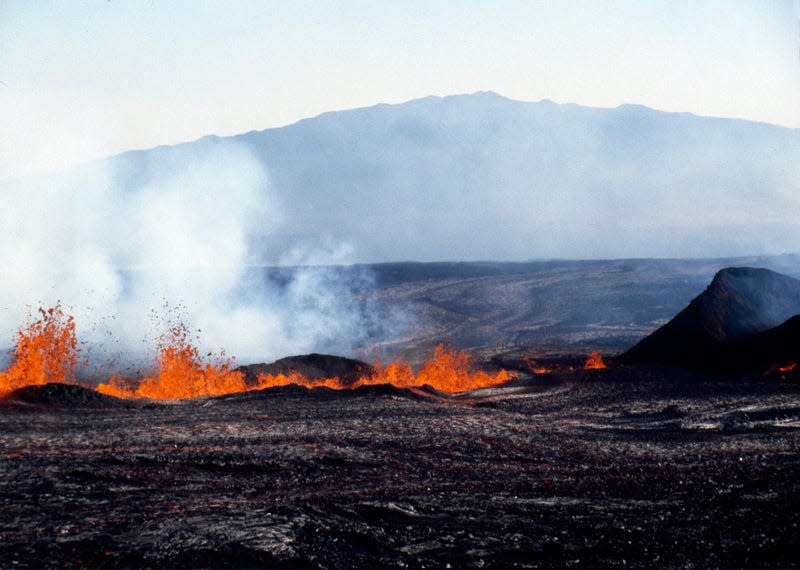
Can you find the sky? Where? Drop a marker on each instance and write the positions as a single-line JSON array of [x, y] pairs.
[[92, 78]]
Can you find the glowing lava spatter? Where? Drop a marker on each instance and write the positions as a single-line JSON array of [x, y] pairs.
[[783, 371], [46, 350], [535, 368], [180, 373], [448, 371], [453, 372], [594, 362]]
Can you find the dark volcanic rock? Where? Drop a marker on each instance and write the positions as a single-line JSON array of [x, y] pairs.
[[325, 393], [758, 353], [312, 366], [588, 474], [57, 394], [739, 302]]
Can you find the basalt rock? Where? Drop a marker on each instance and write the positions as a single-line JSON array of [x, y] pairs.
[[776, 350], [62, 395]]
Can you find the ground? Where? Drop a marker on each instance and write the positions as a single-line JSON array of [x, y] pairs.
[[629, 466]]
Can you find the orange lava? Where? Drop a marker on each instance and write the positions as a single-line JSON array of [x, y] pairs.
[[594, 362], [276, 380], [782, 371], [180, 374], [45, 351], [447, 371], [533, 368]]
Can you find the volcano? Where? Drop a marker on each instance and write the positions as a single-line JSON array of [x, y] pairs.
[[730, 324]]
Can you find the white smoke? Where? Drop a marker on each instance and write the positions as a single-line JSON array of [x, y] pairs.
[[177, 243]]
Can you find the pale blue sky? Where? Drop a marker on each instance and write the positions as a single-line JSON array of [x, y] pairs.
[[82, 79]]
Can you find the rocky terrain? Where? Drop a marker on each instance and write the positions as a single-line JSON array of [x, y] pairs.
[[548, 307], [624, 467], [639, 464]]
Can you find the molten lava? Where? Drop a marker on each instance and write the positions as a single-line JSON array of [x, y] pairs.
[[594, 362], [448, 371], [46, 350], [445, 371], [534, 368], [783, 371], [275, 380], [180, 373]]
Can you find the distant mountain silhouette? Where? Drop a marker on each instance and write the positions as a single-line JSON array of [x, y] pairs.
[[730, 326], [480, 176]]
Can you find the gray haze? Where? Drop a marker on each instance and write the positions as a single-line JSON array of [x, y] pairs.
[[484, 177]]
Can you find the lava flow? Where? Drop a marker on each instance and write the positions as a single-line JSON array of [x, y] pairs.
[[534, 368], [46, 350], [783, 371], [180, 374], [594, 362], [447, 371]]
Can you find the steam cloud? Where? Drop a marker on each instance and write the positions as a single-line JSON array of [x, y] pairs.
[[176, 244]]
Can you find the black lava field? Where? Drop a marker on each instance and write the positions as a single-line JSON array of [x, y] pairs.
[[626, 467]]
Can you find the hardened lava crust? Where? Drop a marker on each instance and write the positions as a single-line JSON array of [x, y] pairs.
[[630, 466]]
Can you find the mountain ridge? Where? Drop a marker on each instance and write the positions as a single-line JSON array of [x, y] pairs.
[[482, 176], [438, 98]]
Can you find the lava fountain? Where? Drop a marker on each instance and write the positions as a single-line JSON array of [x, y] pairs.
[[594, 362], [447, 371], [180, 373], [45, 350]]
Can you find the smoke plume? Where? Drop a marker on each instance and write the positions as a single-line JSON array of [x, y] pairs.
[[177, 243]]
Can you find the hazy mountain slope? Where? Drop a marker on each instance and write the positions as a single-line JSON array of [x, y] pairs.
[[484, 177]]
